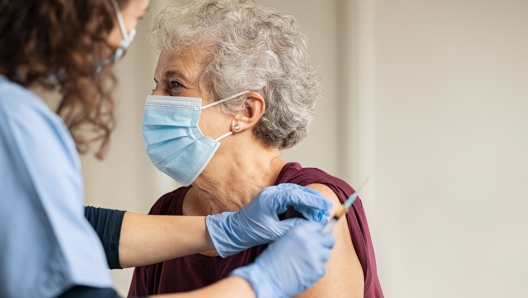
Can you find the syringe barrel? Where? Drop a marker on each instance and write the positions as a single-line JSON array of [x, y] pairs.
[[329, 226]]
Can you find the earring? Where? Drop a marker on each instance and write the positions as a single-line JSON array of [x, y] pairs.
[[236, 127]]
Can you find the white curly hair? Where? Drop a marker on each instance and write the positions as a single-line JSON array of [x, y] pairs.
[[247, 47]]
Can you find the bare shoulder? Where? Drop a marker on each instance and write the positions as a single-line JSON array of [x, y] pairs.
[[328, 194], [344, 275]]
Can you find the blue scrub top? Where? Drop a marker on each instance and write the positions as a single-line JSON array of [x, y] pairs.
[[46, 244]]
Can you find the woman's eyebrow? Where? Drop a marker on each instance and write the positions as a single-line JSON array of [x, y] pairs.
[[174, 73]]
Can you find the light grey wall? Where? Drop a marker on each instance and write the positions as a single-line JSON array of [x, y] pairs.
[[317, 19], [450, 107], [429, 99]]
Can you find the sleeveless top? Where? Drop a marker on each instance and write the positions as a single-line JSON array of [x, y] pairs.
[[197, 271]]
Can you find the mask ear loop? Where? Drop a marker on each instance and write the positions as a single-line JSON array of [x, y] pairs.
[[127, 36], [223, 136], [219, 102], [224, 100], [120, 20]]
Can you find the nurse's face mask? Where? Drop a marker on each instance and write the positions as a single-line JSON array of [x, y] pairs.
[[173, 141], [127, 36]]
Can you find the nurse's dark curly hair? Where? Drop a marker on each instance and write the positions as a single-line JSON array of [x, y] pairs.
[[64, 39]]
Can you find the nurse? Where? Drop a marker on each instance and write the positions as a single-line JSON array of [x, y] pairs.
[[48, 248]]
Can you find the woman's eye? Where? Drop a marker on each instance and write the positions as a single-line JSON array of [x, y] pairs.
[[174, 84]]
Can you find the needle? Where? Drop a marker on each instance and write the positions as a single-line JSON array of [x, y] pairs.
[[343, 209]]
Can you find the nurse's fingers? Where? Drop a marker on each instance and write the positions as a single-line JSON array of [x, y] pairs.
[[307, 201]]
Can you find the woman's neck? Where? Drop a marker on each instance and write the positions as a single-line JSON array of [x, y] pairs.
[[232, 179]]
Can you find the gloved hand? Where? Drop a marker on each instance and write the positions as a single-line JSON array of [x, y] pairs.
[[291, 264], [258, 222]]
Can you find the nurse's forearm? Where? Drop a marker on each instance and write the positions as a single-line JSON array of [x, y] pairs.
[[232, 287], [149, 239]]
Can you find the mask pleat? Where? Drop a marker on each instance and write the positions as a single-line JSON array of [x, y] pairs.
[[186, 166]]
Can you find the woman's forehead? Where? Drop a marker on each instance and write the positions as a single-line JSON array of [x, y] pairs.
[[182, 62]]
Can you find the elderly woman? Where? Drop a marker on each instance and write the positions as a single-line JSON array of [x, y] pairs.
[[236, 73]]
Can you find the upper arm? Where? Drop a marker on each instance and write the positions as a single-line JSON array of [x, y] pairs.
[[344, 274]]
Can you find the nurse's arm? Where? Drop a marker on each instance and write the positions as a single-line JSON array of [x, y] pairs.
[[232, 287], [131, 239], [150, 239]]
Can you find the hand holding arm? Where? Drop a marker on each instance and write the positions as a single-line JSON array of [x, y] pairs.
[[149, 239], [258, 222]]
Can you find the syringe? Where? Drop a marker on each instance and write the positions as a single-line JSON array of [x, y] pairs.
[[342, 210]]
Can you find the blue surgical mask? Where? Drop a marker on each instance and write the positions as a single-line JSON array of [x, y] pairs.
[[127, 37], [123, 45], [173, 141]]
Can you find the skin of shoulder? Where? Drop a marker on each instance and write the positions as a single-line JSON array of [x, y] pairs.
[[344, 275]]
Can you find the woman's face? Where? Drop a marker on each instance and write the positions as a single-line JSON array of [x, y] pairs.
[[177, 75], [132, 13]]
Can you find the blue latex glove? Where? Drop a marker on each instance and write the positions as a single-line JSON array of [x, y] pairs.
[[291, 264], [258, 222]]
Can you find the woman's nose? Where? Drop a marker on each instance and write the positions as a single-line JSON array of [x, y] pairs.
[[159, 92]]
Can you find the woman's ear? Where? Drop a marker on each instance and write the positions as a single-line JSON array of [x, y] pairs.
[[255, 106]]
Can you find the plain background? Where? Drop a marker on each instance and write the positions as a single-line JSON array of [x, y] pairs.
[[427, 98]]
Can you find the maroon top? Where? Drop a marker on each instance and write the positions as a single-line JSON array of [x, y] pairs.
[[197, 271]]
